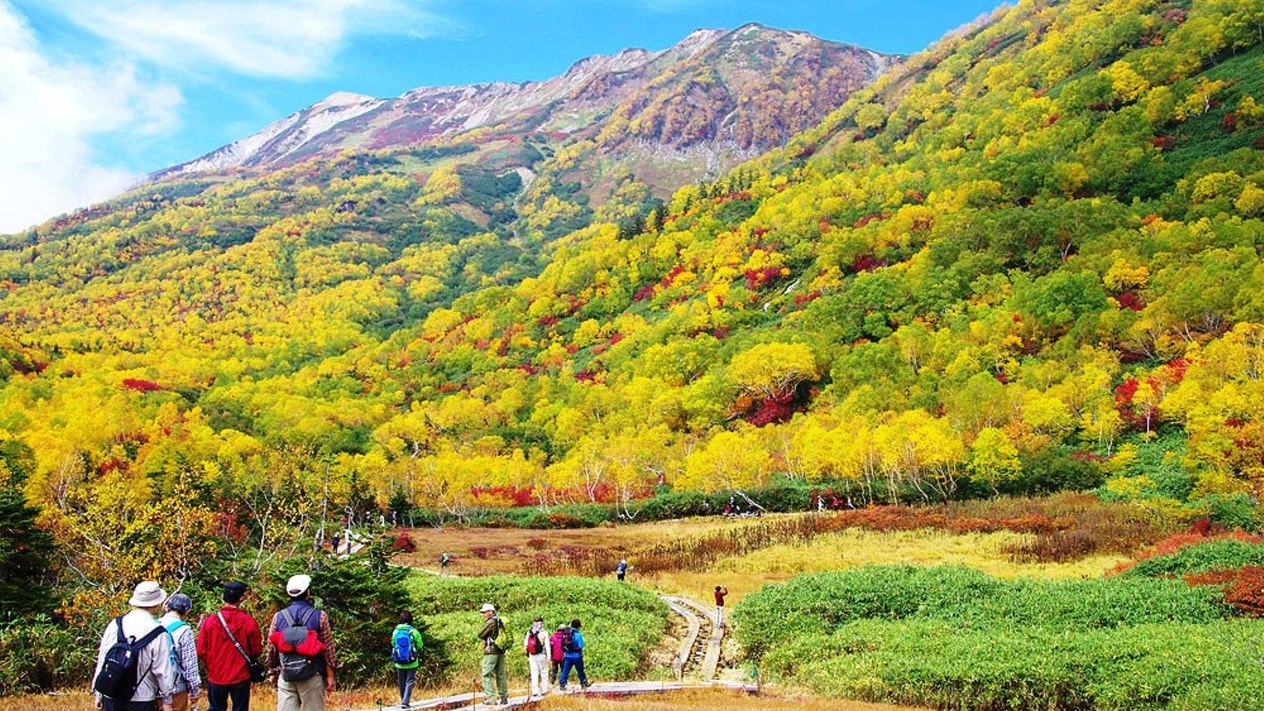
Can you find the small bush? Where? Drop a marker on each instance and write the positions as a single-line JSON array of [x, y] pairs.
[[1195, 554], [39, 656]]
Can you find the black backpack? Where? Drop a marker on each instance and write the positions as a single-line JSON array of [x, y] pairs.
[[118, 679], [568, 640]]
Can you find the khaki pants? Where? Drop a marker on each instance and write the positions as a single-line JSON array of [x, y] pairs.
[[308, 693], [493, 670]]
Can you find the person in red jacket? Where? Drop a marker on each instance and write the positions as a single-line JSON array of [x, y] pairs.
[[227, 676]]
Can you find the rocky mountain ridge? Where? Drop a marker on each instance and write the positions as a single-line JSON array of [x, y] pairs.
[[714, 86]]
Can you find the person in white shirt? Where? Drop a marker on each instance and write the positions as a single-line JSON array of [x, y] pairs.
[[188, 680], [155, 670]]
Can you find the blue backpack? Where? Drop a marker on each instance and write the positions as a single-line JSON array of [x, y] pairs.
[[402, 649]]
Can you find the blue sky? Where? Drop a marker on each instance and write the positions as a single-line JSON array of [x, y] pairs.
[[96, 93]]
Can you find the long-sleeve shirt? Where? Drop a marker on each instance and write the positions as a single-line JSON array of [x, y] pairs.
[[224, 664], [187, 676], [155, 671], [579, 646], [491, 628], [325, 633]]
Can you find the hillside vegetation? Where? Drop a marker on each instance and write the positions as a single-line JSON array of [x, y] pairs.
[[1024, 259]]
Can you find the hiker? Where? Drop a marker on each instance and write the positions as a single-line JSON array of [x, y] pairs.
[[444, 559], [495, 640], [301, 650], [556, 654], [335, 540], [228, 673], [537, 649], [406, 654], [188, 680], [720, 592], [151, 665], [573, 656], [621, 569]]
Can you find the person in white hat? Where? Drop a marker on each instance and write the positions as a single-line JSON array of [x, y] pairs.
[[156, 679], [305, 672], [495, 641]]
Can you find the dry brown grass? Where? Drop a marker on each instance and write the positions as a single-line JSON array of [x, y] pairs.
[[491, 551]]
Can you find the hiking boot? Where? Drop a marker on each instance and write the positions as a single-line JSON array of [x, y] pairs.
[[585, 685]]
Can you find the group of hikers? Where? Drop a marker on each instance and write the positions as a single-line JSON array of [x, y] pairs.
[[148, 658], [550, 657]]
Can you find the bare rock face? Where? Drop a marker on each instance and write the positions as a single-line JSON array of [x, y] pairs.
[[721, 95]]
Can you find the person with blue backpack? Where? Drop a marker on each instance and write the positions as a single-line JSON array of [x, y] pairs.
[[573, 656], [188, 680], [406, 655]]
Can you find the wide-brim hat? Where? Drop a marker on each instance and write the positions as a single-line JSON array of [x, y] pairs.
[[148, 594], [487, 607]]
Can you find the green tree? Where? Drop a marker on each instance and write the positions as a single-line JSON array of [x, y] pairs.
[[26, 550]]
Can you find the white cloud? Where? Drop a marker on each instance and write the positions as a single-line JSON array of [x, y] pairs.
[[50, 113], [293, 39]]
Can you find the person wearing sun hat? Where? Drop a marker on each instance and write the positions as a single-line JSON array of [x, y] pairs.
[[157, 673], [313, 659], [188, 680], [494, 642]]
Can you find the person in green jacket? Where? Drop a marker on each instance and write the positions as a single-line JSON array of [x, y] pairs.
[[406, 654]]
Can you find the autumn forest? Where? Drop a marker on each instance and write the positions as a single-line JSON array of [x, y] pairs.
[[1025, 260]]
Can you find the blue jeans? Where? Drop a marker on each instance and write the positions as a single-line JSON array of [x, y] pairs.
[[407, 678], [575, 662]]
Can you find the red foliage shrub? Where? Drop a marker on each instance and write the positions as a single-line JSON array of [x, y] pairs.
[[139, 385], [1130, 300], [403, 543], [809, 297], [1246, 592], [1164, 143], [866, 263]]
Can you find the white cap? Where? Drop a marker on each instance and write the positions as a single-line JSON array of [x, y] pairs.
[[487, 607], [298, 585], [147, 594]]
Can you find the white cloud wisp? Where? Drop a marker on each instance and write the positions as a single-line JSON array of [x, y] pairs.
[[50, 113]]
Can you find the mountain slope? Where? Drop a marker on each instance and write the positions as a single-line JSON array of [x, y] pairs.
[[1022, 260]]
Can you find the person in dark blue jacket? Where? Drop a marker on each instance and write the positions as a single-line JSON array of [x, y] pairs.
[[573, 657]]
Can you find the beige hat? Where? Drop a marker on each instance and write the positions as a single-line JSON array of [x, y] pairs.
[[298, 585], [147, 594], [487, 607]]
